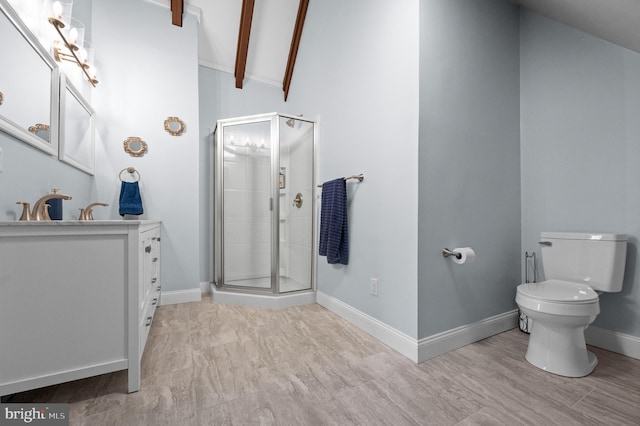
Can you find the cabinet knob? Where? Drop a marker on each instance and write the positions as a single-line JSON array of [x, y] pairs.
[[154, 301], [153, 280], [158, 288], [148, 323]]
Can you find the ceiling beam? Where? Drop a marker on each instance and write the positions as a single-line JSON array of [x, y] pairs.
[[295, 44], [177, 8], [246, 16]]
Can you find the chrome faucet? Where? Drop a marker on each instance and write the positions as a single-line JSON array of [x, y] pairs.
[[40, 208], [87, 212]]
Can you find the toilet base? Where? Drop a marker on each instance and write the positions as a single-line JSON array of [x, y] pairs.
[[560, 350]]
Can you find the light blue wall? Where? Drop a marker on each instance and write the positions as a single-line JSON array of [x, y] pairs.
[[580, 103], [357, 73], [149, 71], [469, 182], [29, 174]]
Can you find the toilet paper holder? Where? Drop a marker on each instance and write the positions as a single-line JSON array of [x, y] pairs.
[[446, 253]]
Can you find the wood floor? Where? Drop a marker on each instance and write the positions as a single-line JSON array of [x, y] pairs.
[[208, 364]]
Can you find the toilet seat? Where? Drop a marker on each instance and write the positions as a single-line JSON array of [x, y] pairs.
[[559, 291], [559, 298]]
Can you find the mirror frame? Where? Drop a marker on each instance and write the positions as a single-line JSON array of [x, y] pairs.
[[69, 93], [10, 127], [128, 146], [181, 126]]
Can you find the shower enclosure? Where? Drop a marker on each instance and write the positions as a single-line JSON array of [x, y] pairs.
[[263, 209]]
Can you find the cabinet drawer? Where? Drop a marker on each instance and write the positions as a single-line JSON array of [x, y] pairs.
[[145, 325]]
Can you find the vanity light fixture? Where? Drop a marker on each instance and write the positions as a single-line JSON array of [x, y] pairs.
[[70, 46]]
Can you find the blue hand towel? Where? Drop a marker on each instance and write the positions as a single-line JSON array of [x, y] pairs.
[[130, 201], [334, 227]]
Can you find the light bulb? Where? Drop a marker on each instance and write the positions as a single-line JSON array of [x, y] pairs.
[[73, 36], [57, 10]]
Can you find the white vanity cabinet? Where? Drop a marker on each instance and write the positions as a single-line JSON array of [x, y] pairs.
[[149, 290], [76, 299]]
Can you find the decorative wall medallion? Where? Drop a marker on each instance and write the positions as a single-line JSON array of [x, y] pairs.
[[135, 147], [174, 126]]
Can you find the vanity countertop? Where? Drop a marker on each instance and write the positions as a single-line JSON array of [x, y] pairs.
[[117, 222]]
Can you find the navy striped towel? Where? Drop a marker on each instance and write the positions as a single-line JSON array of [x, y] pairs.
[[334, 228]]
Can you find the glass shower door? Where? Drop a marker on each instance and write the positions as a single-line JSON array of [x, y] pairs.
[[246, 227], [296, 150], [263, 212]]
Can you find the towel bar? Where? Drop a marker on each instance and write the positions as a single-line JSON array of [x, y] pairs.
[[360, 178]]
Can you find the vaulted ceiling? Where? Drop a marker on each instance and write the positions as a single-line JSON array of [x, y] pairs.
[[252, 39], [273, 25], [617, 21]]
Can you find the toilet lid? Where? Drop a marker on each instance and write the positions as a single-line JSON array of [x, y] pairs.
[[559, 291]]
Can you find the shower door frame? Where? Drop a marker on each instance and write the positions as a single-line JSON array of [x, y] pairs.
[[217, 203]]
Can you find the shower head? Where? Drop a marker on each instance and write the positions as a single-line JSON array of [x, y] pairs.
[[292, 121]]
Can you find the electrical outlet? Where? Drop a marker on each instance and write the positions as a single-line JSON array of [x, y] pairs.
[[374, 286]]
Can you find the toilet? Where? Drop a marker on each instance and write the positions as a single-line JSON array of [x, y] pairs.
[[577, 267]]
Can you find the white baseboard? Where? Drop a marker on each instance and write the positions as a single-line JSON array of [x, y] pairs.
[[425, 348], [458, 337], [204, 287], [62, 376], [262, 301], [180, 296], [406, 345], [613, 341]]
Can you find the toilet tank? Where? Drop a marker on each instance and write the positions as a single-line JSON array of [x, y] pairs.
[[594, 259]]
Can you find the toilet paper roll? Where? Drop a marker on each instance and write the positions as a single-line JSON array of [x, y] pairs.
[[468, 255]]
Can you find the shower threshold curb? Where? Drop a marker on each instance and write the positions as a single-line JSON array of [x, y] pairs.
[[262, 301]]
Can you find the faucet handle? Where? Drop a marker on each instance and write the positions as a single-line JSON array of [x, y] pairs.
[[87, 212], [26, 211]]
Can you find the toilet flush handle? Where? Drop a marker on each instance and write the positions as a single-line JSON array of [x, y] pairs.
[[544, 243]]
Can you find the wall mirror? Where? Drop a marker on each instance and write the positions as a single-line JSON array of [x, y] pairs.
[[29, 85], [43, 131], [77, 128], [174, 126], [135, 147]]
